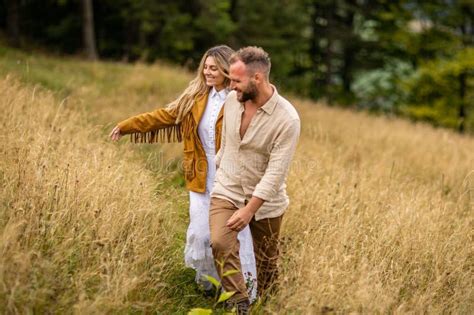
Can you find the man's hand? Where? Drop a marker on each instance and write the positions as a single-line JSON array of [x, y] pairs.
[[240, 219], [115, 135]]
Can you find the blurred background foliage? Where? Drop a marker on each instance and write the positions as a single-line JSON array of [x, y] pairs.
[[410, 58]]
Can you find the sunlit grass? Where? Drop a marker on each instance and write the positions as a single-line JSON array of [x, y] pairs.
[[381, 217]]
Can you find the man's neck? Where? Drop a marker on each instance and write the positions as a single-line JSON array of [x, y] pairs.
[[263, 96]]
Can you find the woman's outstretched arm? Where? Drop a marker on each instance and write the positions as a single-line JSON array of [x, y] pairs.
[[155, 120]]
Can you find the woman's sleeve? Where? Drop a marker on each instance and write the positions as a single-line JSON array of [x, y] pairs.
[[155, 120]]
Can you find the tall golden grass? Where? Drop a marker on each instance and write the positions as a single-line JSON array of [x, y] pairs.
[[380, 220], [81, 228]]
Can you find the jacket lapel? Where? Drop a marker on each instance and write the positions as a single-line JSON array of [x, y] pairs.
[[221, 113], [198, 109]]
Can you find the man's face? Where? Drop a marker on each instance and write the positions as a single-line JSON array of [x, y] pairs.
[[241, 82]]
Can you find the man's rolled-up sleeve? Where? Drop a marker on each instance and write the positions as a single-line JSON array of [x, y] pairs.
[[279, 162]]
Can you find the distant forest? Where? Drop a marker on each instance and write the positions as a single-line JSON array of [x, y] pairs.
[[408, 58]]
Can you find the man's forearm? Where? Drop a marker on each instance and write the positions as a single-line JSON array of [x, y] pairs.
[[254, 204]]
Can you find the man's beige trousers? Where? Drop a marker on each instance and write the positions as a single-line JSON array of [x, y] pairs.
[[225, 248]]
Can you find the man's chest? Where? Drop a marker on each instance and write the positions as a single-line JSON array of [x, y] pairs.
[[250, 134], [246, 118]]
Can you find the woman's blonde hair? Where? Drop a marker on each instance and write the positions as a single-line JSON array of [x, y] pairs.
[[197, 87]]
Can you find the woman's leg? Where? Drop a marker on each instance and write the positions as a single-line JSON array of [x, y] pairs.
[[247, 260], [198, 252]]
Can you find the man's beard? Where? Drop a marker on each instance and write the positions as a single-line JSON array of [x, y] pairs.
[[250, 93]]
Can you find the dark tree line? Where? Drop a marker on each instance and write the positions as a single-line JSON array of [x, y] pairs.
[[394, 56]]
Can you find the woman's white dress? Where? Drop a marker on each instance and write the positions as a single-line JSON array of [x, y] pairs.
[[198, 252]]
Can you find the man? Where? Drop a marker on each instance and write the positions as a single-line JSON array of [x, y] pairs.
[[259, 137]]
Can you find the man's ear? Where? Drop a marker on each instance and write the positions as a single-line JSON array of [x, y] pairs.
[[258, 77]]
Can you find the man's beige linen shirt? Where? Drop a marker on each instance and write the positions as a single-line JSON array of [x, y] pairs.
[[258, 164]]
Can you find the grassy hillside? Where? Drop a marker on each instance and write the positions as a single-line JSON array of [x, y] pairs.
[[380, 218]]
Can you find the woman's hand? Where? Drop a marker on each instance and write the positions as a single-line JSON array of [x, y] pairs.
[[115, 135]]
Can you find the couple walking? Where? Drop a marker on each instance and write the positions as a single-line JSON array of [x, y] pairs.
[[235, 165]]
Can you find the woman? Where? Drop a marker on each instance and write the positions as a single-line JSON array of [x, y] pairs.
[[196, 119]]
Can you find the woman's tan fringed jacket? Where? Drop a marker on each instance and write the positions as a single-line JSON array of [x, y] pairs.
[[160, 126]]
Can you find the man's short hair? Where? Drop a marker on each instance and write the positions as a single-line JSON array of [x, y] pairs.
[[255, 58]]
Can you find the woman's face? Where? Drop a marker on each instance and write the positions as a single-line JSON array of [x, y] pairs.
[[212, 74]]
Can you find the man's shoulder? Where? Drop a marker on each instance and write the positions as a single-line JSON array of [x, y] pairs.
[[231, 98], [287, 110], [231, 104]]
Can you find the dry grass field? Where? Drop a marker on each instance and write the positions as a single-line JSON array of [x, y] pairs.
[[380, 220]]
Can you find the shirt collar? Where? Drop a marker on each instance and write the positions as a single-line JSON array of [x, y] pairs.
[[221, 95], [270, 105]]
